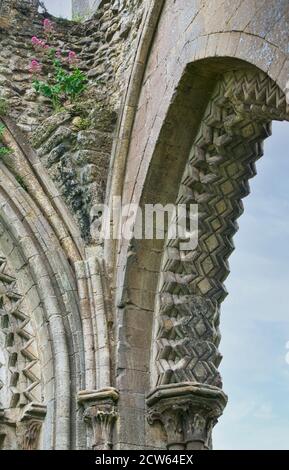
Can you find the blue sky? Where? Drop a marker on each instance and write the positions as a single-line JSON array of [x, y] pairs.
[[59, 7], [255, 315]]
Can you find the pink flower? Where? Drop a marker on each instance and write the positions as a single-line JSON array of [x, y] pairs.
[[35, 67], [34, 40], [72, 57], [38, 42], [47, 26], [58, 54]]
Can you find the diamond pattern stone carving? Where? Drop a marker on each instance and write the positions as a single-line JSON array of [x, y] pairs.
[[230, 140], [24, 368]]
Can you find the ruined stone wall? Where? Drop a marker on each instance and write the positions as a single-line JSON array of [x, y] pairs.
[[74, 144]]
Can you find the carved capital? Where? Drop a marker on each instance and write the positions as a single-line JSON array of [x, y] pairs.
[[29, 426], [188, 413], [100, 413], [20, 428]]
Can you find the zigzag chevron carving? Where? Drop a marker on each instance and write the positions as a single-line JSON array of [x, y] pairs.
[[24, 367], [230, 140]]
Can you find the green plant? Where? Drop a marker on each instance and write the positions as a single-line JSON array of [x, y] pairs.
[[67, 81], [63, 85], [4, 107], [72, 83], [2, 129], [78, 18], [4, 151]]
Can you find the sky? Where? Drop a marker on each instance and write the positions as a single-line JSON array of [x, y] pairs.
[[255, 315], [59, 7]]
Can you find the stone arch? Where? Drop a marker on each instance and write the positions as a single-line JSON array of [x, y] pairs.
[[26, 242], [230, 105], [222, 160], [47, 329], [65, 300]]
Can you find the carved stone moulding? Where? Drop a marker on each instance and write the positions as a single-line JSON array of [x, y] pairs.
[[188, 412], [100, 413]]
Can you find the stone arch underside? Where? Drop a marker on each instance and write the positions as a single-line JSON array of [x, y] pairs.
[[185, 348]]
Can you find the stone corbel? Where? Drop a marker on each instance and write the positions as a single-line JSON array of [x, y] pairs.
[[100, 413], [29, 426], [187, 412]]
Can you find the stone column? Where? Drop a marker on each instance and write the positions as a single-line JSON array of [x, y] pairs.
[[100, 413], [188, 413]]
